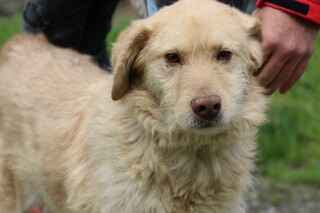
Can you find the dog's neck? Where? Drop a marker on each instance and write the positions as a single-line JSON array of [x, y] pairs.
[[188, 173], [184, 163], [187, 163]]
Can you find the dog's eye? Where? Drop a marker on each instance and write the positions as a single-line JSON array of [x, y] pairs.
[[224, 55], [173, 58]]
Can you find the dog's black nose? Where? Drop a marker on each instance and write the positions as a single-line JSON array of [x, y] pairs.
[[206, 107]]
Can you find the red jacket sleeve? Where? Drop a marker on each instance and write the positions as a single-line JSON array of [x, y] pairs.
[[307, 9]]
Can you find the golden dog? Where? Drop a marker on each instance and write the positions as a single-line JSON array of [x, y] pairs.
[[178, 136]]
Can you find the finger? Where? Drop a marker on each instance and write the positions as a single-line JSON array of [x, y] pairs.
[[284, 74], [270, 69], [295, 75]]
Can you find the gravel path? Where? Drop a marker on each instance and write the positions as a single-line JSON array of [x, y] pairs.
[[284, 198]]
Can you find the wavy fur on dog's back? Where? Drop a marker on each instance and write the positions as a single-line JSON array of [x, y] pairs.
[[65, 144]]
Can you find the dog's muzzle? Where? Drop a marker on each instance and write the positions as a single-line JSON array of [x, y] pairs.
[[206, 110]]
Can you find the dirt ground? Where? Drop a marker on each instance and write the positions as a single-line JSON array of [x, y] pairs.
[[279, 197]]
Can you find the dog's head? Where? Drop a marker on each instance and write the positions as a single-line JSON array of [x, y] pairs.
[[195, 60]]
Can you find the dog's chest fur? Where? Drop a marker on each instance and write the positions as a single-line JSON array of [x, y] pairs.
[[147, 176]]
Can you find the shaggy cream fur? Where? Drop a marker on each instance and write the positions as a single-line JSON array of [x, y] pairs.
[[65, 144]]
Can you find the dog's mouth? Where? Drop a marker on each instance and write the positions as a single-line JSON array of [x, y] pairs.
[[200, 123]]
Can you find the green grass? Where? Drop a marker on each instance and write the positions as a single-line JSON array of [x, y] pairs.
[[9, 26], [289, 144], [120, 21]]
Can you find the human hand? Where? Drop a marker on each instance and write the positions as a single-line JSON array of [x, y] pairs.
[[288, 43]]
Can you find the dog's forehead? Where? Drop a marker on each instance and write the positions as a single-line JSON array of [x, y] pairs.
[[205, 27], [204, 12], [204, 22]]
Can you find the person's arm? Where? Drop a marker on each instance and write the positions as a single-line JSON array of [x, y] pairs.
[[290, 34], [306, 9]]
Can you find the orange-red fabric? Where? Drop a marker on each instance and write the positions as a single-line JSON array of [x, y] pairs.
[[312, 15]]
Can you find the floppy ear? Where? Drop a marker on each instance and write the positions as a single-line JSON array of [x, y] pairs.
[[124, 54]]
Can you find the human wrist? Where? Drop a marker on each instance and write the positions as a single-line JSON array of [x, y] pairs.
[[305, 9]]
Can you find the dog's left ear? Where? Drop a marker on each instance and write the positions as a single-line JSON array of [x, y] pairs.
[[253, 29], [124, 54]]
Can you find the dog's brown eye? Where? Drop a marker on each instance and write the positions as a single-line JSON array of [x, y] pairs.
[[173, 58], [224, 55]]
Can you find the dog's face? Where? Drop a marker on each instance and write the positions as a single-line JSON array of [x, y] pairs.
[[195, 59]]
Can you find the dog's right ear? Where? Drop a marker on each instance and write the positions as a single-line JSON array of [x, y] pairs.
[[254, 30], [124, 54]]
